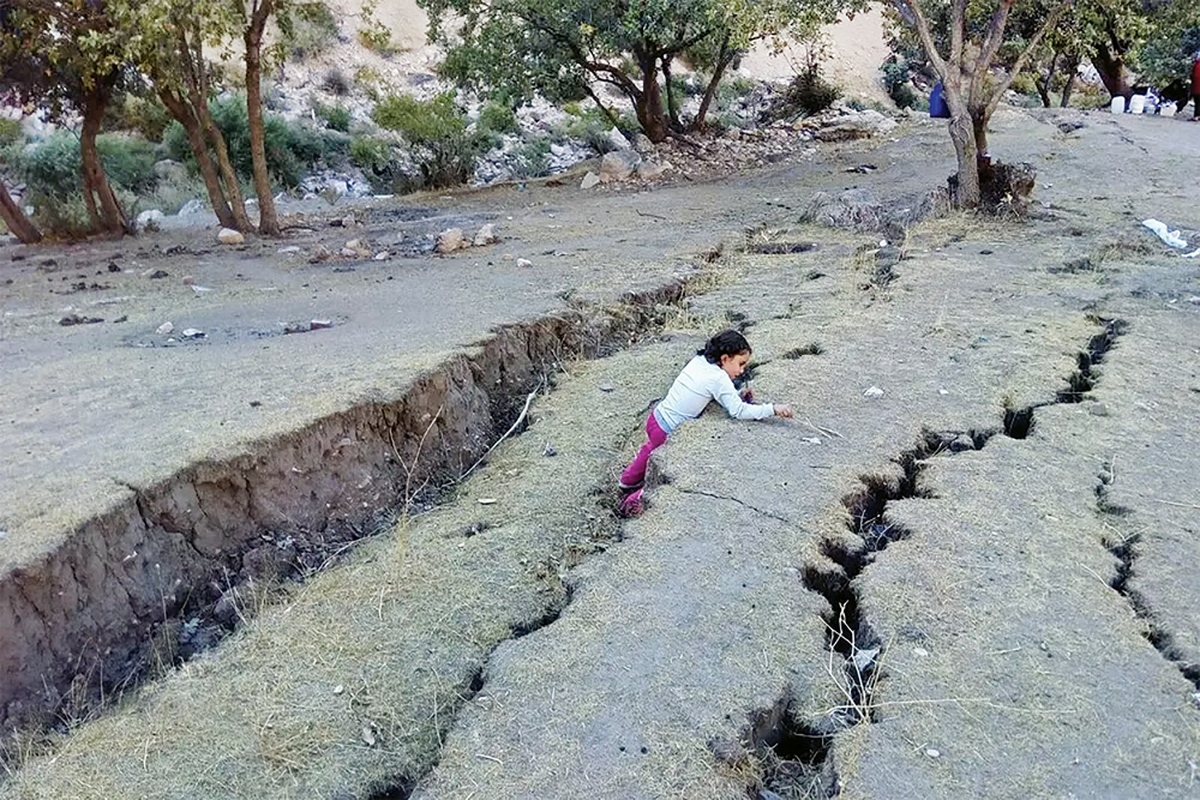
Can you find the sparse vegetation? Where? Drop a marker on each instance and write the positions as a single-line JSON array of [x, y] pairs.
[[436, 132], [336, 83], [373, 34], [335, 117], [309, 30]]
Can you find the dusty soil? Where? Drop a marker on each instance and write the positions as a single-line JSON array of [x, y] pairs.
[[980, 582]]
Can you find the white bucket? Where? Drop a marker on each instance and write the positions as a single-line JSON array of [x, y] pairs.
[[1168, 109], [1137, 104], [1118, 105]]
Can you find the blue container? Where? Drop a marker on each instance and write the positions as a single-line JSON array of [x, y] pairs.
[[937, 103]]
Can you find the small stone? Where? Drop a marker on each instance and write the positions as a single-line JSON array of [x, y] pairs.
[[192, 333], [382, 255], [230, 236], [166, 329], [200, 289], [368, 735], [318, 324], [122, 318], [648, 170], [354, 244], [450, 240], [291, 248], [1098, 410], [485, 236], [158, 274], [618, 165], [920, 651], [339, 689], [642, 143], [150, 219], [348, 252], [1194, 299], [112, 267], [590, 180], [810, 440], [549, 450], [1196, 699], [874, 391], [524, 262], [932, 752], [943, 392], [349, 221], [188, 280], [487, 501], [606, 387], [296, 327]]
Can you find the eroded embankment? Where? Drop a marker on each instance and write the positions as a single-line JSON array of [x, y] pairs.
[[157, 578]]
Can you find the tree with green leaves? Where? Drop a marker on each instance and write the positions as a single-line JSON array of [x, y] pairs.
[[71, 59], [565, 48], [963, 62]]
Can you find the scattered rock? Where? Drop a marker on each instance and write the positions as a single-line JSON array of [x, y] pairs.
[[166, 329], [932, 752], [192, 333], [487, 501], [230, 236], [150, 219], [549, 450], [648, 170], [606, 387], [368, 735], [122, 318], [297, 327], [349, 221], [590, 180], [618, 165], [113, 267], [485, 236], [319, 324], [642, 143], [855, 125], [617, 140], [192, 207], [339, 689], [450, 240], [874, 391], [76, 319], [283, 251], [524, 262], [1098, 410], [382, 255], [188, 280], [158, 274]]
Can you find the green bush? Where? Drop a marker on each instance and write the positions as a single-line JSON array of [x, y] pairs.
[[531, 159], [52, 167], [498, 117], [897, 79], [336, 118], [808, 93], [436, 131], [292, 148], [10, 132], [380, 162], [309, 31], [374, 34]]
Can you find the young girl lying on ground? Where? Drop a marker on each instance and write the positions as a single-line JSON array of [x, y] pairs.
[[708, 376]]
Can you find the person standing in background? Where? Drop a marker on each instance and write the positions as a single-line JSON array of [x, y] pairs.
[[1196, 86]]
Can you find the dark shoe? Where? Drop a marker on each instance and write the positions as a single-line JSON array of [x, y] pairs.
[[632, 505]]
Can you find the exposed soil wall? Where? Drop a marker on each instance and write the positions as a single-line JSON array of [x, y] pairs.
[[93, 615]]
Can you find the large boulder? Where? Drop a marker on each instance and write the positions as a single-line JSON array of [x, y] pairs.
[[618, 165], [855, 125], [450, 240]]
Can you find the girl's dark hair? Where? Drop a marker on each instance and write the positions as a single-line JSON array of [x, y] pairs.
[[725, 343]]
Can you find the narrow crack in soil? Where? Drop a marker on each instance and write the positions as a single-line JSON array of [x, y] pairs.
[[742, 503], [798, 758]]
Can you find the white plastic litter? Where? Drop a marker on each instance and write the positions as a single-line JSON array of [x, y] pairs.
[[1192, 254], [1169, 237]]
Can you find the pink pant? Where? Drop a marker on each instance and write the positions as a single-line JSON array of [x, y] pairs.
[[635, 473]]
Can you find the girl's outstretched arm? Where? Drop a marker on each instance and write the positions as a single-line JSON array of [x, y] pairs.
[[732, 402]]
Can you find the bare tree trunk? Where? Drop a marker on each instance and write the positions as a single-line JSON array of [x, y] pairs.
[[1111, 67], [1071, 67], [15, 220], [965, 185], [1046, 82], [672, 103], [650, 104], [204, 162], [268, 222], [724, 59], [112, 216]]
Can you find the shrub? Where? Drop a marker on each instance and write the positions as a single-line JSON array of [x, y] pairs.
[[372, 33], [808, 93], [336, 118], [335, 82], [498, 117], [531, 159], [897, 79], [10, 132], [436, 132], [52, 168], [292, 148], [309, 31]]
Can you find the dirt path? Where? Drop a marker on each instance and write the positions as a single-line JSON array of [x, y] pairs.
[[705, 650]]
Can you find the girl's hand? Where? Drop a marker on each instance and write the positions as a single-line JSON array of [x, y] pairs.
[[747, 395], [783, 410]]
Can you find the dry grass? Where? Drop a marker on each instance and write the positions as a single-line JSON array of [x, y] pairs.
[[353, 679]]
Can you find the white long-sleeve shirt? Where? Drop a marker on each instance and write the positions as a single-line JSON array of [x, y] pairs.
[[698, 383]]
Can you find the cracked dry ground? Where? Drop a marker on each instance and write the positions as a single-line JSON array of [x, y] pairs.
[[981, 583]]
